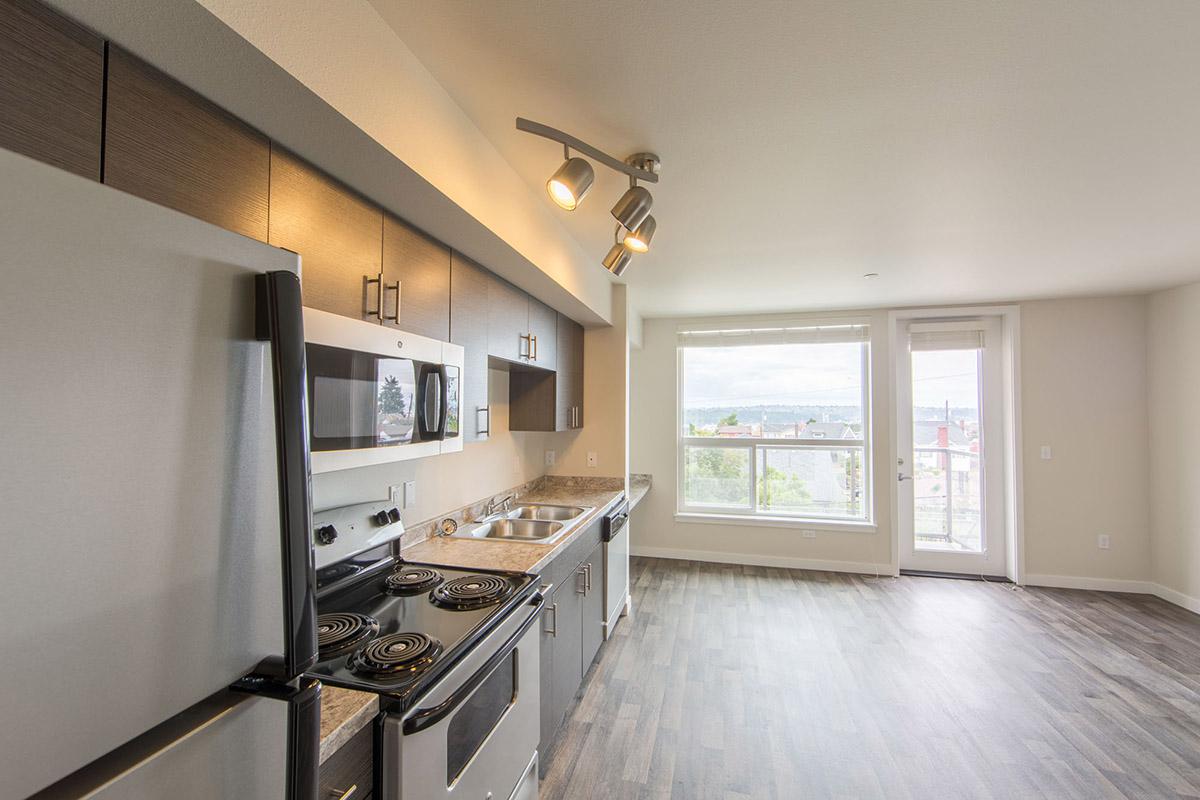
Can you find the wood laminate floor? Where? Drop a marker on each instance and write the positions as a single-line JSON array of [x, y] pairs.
[[752, 682]]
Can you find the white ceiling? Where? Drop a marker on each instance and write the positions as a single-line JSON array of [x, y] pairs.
[[966, 151]]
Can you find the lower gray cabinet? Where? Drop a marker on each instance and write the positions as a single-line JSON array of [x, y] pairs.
[[593, 607], [572, 628]]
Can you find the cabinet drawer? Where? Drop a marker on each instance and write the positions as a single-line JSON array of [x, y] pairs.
[[352, 765]]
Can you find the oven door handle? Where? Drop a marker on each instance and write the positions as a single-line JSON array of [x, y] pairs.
[[424, 718]]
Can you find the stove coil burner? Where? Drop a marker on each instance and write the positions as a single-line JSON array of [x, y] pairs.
[[414, 580], [400, 656], [470, 592], [343, 631]]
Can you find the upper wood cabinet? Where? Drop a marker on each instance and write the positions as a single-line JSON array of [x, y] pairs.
[[469, 288], [543, 334], [508, 321], [338, 235], [51, 87], [168, 144], [569, 375], [416, 274]]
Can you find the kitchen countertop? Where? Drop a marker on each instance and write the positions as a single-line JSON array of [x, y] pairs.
[[600, 493], [345, 712], [639, 485]]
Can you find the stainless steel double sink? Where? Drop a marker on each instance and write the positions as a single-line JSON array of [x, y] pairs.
[[541, 523]]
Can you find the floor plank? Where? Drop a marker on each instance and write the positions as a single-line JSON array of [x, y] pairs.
[[733, 682]]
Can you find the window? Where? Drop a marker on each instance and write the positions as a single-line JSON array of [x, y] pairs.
[[775, 423]]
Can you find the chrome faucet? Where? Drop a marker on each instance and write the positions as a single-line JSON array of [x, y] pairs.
[[503, 504]]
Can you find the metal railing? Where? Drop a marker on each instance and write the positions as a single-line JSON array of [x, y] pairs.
[[950, 516]]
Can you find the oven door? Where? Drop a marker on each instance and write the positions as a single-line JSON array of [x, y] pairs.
[[474, 733]]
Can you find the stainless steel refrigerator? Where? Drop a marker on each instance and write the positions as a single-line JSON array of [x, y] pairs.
[[156, 608]]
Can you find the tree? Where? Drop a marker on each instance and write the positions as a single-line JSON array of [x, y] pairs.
[[391, 397], [728, 421]]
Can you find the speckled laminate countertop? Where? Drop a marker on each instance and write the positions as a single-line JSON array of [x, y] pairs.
[[345, 712], [639, 485]]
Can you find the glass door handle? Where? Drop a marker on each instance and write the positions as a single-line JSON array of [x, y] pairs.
[[900, 476]]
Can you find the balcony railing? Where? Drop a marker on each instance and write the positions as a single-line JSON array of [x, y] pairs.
[[947, 507]]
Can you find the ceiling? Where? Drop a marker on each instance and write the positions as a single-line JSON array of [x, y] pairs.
[[965, 151]]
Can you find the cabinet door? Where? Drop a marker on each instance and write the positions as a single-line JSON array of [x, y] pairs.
[[169, 145], [543, 330], [51, 87], [568, 645], [469, 286], [592, 619], [421, 265], [508, 321], [338, 235], [569, 399]]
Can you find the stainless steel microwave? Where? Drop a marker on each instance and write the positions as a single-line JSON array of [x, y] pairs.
[[376, 394]]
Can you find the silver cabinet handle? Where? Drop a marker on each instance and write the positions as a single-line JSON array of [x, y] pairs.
[[581, 572], [377, 311], [487, 412], [533, 345], [524, 337], [395, 287], [587, 578], [343, 795], [553, 608]]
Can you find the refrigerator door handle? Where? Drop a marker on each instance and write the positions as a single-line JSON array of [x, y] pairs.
[[279, 320], [304, 718]]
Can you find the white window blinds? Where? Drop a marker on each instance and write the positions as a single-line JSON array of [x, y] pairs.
[[815, 334], [945, 336]]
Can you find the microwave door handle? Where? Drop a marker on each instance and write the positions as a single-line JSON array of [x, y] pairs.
[[279, 320], [424, 718], [444, 410]]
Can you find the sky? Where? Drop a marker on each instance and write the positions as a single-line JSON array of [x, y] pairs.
[[815, 374]]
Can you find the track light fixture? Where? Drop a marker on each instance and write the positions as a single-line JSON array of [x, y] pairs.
[[638, 241], [572, 180]]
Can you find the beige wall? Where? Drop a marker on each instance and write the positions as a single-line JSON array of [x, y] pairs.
[[1082, 392], [1174, 379]]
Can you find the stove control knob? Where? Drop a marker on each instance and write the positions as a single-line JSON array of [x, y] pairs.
[[394, 514], [326, 534], [381, 518]]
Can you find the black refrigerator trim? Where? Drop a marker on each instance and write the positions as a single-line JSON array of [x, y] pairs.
[[304, 737], [279, 320]]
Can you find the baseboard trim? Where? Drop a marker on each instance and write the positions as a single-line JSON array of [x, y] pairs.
[[1178, 598], [1091, 584], [750, 559]]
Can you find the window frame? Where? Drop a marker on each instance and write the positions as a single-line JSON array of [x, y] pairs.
[[753, 514]]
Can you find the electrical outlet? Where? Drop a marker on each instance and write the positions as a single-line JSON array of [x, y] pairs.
[[550, 456], [591, 456], [410, 493], [1046, 455], [808, 533], [1103, 541]]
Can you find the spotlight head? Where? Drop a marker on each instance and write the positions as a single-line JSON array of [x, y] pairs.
[[570, 183], [617, 259], [639, 240], [633, 207]]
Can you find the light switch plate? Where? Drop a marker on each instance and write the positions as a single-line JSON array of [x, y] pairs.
[[1103, 541], [410, 493], [808, 533], [591, 458], [396, 494], [1046, 455]]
